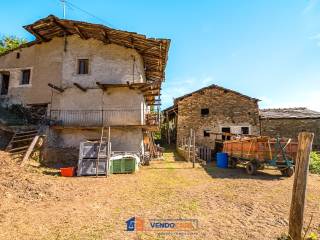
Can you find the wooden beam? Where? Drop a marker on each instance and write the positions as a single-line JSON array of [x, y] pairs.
[[30, 149], [60, 25], [81, 34], [299, 185], [101, 86], [38, 35], [80, 87], [56, 88], [132, 42], [147, 49], [105, 35]]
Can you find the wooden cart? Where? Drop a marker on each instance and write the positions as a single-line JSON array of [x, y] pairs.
[[257, 152]]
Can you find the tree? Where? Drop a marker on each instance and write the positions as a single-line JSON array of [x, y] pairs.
[[8, 43]]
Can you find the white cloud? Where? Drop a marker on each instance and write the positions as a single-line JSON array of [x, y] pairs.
[[316, 38], [310, 6]]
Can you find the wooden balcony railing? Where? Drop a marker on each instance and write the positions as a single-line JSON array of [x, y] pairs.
[[107, 117]]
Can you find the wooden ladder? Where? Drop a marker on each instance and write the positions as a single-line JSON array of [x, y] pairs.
[[104, 139], [22, 144]]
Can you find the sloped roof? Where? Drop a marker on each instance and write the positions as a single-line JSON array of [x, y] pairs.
[[298, 113], [154, 51], [212, 86]]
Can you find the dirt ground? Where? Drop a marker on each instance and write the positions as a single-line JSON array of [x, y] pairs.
[[37, 203]]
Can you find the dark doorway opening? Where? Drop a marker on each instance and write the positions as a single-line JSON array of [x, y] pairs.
[[5, 83], [226, 130]]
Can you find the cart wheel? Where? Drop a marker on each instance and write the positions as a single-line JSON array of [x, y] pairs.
[[233, 162], [288, 172], [251, 168]]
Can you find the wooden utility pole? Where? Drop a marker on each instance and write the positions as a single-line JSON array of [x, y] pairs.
[[299, 185]]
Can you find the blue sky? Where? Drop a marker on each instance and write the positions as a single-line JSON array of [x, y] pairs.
[[268, 49]]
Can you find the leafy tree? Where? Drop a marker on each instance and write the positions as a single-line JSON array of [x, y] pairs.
[[8, 43]]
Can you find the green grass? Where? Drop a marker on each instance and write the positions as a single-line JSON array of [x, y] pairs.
[[314, 163]]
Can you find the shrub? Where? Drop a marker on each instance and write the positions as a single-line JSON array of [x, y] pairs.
[[314, 163]]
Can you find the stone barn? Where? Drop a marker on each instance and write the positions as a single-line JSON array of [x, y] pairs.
[[288, 122], [210, 110]]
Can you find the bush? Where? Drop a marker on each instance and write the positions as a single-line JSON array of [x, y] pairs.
[[314, 163]]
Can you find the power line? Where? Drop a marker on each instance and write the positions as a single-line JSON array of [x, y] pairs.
[[72, 5]]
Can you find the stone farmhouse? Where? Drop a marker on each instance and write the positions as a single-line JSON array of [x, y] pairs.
[[86, 76], [213, 110]]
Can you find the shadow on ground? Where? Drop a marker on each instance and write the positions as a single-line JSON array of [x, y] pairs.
[[240, 173]]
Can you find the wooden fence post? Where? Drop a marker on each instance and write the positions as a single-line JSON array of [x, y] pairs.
[[189, 149], [194, 149], [299, 185]]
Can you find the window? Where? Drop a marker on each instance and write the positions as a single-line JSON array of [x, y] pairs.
[[206, 133], [18, 55], [83, 66], [226, 130], [25, 79], [244, 130], [204, 112]]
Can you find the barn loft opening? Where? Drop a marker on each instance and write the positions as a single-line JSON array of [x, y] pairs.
[[204, 112]]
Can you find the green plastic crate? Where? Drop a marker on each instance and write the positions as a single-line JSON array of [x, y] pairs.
[[123, 165]]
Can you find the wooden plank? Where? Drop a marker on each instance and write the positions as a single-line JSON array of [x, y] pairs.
[[24, 136], [56, 88], [22, 140], [30, 149], [80, 87], [25, 132], [299, 185], [18, 148]]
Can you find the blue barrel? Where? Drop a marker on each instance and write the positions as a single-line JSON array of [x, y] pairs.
[[222, 160]]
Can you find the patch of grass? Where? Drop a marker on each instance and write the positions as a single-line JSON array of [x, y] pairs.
[[314, 163]]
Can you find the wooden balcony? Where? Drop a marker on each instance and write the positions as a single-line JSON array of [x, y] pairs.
[[106, 117]]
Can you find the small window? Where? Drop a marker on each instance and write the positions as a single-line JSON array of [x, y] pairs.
[[245, 130], [206, 133], [204, 112], [18, 55], [25, 79], [83, 66]]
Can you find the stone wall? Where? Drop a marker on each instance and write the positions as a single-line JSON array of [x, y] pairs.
[[226, 109], [291, 127]]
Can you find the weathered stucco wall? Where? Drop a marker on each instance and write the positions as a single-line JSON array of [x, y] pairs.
[[49, 63], [226, 109], [108, 63], [45, 62], [63, 144], [290, 128]]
